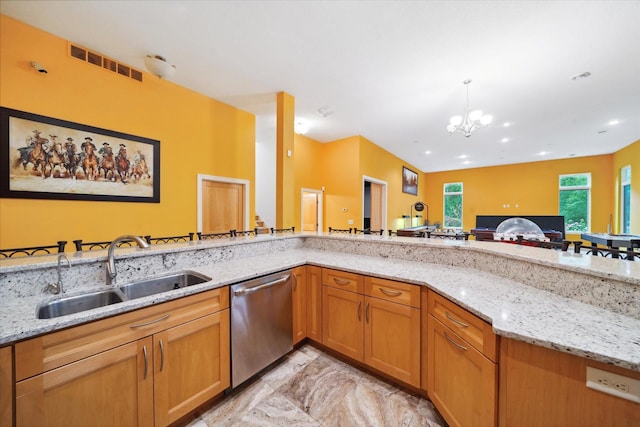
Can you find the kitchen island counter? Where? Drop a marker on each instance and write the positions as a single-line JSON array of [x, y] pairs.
[[494, 281]]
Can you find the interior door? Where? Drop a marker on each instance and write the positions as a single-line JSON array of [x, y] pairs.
[[376, 207], [309, 211], [222, 206]]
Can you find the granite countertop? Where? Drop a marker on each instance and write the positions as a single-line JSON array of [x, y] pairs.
[[515, 310]]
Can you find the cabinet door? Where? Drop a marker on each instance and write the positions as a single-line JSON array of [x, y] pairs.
[[6, 387], [424, 327], [392, 339], [342, 322], [314, 303], [299, 299], [462, 383], [112, 388], [191, 365]]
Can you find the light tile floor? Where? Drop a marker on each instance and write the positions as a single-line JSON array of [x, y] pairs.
[[310, 388]]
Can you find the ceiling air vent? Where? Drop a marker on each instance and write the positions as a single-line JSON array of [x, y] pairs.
[[102, 61]]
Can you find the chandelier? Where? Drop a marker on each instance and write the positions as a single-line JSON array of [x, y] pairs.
[[470, 121]]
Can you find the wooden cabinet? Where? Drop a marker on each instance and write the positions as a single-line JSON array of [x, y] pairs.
[[342, 305], [343, 280], [191, 365], [314, 302], [299, 299], [342, 326], [6, 386], [114, 387], [392, 329], [143, 368], [544, 387], [461, 378], [380, 327], [424, 345]]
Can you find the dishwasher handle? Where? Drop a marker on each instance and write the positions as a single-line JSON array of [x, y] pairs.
[[246, 291]]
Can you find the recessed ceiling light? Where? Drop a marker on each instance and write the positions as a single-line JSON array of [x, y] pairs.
[[466, 162], [581, 76], [463, 156], [506, 124], [543, 153], [613, 122], [427, 152], [504, 140]]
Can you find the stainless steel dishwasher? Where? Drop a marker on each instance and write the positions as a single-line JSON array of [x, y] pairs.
[[261, 324]]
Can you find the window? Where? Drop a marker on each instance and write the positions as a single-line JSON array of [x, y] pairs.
[[625, 198], [575, 202], [453, 205]]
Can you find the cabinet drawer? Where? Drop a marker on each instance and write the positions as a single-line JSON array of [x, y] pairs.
[[390, 290], [462, 382], [56, 349], [471, 328], [342, 280]]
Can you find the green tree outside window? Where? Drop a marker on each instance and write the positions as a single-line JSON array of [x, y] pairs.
[[453, 205], [575, 201]]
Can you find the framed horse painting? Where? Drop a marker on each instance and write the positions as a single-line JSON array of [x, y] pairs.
[[46, 158]]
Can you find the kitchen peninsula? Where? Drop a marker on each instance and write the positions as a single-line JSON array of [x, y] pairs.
[[569, 305]]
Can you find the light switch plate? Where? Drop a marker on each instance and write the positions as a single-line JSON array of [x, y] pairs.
[[614, 384]]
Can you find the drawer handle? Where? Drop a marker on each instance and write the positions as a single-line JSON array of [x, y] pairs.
[[341, 282], [140, 325], [366, 312], [454, 320], [161, 356], [146, 361], [390, 293], [359, 311], [460, 346]]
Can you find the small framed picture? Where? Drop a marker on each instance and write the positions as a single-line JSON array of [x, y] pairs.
[[409, 181]]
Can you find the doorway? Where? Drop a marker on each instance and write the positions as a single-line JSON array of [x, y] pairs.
[[311, 214], [374, 203], [223, 204]]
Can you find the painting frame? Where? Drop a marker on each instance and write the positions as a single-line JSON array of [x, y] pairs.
[[24, 176], [409, 181]]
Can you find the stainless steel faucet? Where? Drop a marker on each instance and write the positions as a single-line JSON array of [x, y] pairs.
[[56, 288], [111, 264]]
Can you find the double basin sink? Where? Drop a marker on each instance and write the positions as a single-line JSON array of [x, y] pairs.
[[77, 303]]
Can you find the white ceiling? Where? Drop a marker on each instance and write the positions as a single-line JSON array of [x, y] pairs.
[[391, 71]]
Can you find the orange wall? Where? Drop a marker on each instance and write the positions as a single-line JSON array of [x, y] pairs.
[[339, 166], [628, 156], [342, 183], [285, 165], [309, 172], [533, 187], [197, 135], [376, 162]]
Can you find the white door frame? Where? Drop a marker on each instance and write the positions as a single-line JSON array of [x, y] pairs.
[[320, 194], [244, 182], [366, 178]]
